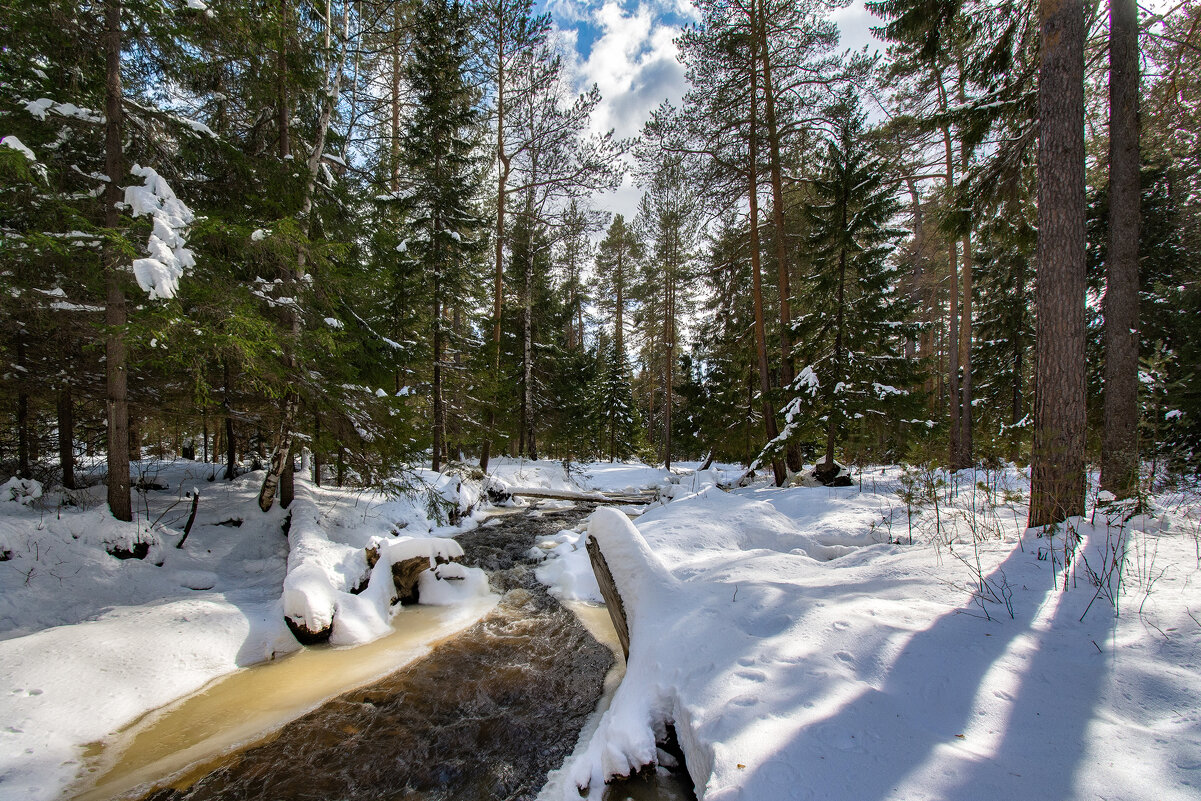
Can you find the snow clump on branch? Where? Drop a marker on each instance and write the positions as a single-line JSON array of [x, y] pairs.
[[159, 274]]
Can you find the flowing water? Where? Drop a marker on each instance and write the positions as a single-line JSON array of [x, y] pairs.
[[485, 714]]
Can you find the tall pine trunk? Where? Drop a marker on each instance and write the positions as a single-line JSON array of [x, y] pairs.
[[1057, 464], [291, 402], [1119, 450], [752, 173], [24, 468], [792, 453], [115, 366], [499, 245]]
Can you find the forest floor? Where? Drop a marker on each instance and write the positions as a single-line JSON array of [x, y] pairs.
[[798, 642]]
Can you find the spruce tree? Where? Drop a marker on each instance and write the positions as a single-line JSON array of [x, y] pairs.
[[444, 229]]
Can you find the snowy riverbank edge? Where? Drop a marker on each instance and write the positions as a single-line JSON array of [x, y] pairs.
[[90, 643], [798, 660]]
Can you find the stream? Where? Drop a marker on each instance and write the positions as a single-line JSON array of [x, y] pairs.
[[485, 714]]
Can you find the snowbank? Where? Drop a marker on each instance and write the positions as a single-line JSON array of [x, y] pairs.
[[90, 642], [330, 589], [795, 666]]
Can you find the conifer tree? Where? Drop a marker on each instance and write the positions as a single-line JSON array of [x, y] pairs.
[[856, 367], [445, 225]]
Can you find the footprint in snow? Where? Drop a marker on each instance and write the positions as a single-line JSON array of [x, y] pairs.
[[752, 675]]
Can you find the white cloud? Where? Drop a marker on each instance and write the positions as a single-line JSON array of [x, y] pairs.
[[633, 62]]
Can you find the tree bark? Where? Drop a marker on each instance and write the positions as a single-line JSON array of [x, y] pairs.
[[752, 171], [283, 111], [792, 453], [1057, 468], [287, 483], [24, 469], [1119, 449], [66, 437], [966, 456], [291, 401], [499, 245], [116, 403]]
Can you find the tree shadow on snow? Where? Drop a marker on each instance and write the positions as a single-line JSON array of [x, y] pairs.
[[871, 746]]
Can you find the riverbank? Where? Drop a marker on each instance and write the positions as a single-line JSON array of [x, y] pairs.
[[90, 642], [802, 648]]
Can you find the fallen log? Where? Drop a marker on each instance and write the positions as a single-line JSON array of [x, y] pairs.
[[586, 497], [608, 588]]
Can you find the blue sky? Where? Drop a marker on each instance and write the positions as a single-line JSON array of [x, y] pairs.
[[625, 47]]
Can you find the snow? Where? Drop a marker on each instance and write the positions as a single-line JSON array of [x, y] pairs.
[[158, 275], [41, 107], [802, 653], [328, 559], [17, 145], [89, 642]]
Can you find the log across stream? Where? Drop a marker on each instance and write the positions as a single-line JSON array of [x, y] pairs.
[[484, 715]]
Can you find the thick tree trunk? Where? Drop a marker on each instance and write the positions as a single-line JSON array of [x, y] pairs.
[[839, 362], [769, 413], [231, 450], [115, 392], [291, 403], [317, 462], [1119, 449], [955, 454], [792, 454], [499, 245], [439, 409], [1057, 469], [527, 375], [283, 111], [66, 437]]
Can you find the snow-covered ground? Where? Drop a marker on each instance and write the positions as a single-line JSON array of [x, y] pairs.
[[802, 652], [90, 642], [800, 649]]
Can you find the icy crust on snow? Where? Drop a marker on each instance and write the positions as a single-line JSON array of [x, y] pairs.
[[327, 560]]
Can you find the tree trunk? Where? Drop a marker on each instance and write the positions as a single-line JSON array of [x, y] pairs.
[[792, 454], [966, 456], [752, 172], [439, 409], [1057, 464], [291, 402], [287, 483], [317, 463], [115, 392], [24, 469], [1119, 450], [283, 111], [66, 437], [499, 245], [955, 453], [231, 451], [839, 369]]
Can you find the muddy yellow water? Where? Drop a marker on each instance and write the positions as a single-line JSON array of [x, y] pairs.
[[487, 699], [186, 739]]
